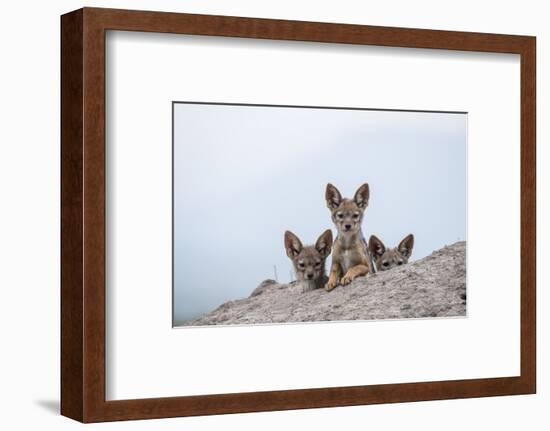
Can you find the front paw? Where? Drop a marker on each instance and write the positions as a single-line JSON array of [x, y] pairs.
[[347, 279], [331, 284]]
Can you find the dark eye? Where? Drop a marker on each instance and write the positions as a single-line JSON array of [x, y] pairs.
[[317, 263], [355, 216], [400, 262], [340, 216], [385, 264], [301, 265]]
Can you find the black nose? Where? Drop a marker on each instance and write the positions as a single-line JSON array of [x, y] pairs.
[[309, 276], [348, 226]]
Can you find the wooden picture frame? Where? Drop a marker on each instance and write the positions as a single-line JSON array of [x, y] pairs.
[[83, 214]]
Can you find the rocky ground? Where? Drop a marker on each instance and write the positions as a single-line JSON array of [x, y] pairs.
[[434, 286]]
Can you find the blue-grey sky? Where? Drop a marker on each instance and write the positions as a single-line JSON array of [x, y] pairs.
[[245, 174]]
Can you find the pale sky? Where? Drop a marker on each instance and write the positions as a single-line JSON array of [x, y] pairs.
[[243, 175]]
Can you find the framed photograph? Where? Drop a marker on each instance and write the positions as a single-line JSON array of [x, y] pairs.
[[268, 215], [287, 158]]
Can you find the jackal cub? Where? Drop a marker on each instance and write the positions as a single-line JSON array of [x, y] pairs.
[[309, 260], [385, 259], [350, 257]]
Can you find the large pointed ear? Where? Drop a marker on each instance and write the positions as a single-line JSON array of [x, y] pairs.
[[324, 243], [333, 197], [362, 195], [405, 247], [376, 247], [293, 245]]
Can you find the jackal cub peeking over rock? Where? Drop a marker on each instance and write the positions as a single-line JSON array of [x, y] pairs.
[[387, 258], [350, 258], [309, 260]]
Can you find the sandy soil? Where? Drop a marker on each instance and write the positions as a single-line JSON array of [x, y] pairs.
[[434, 286]]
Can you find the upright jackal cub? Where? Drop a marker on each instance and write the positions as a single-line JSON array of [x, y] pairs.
[[350, 257], [309, 260], [388, 258]]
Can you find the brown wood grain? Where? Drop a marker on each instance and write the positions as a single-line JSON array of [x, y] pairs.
[[83, 214], [528, 217], [72, 304]]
